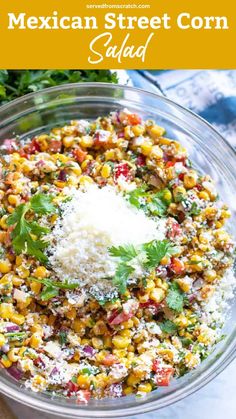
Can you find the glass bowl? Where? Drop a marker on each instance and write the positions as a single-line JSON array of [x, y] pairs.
[[38, 112]]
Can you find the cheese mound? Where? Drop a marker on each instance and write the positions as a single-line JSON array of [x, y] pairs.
[[94, 220]]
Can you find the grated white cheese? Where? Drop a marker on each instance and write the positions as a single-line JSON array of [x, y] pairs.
[[94, 220]]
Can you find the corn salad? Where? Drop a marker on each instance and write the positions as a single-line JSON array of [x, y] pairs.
[[53, 337]]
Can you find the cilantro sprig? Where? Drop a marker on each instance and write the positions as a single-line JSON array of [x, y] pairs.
[[168, 327], [154, 204], [51, 288], [21, 235], [175, 298], [148, 255]]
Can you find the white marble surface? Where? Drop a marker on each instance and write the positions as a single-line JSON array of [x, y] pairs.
[[217, 400]]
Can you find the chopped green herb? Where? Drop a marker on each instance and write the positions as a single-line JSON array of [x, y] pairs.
[[21, 234], [168, 327], [125, 253], [175, 298], [63, 337]]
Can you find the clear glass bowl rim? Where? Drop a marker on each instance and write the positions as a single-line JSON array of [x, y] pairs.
[[215, 368]]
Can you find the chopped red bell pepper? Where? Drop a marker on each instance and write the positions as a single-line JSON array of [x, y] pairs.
[[163, 373], [79, 155], [122, 169], [177, 266], [133, 119]]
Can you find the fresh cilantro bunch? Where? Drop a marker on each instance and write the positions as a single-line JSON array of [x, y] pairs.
[[153, 204], [21, 235], [15, 83], [148, 255], [51, 288]]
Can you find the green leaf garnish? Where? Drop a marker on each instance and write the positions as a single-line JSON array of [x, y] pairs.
[[157, 250], [148, 255], [126, 252], [48, 293], [42, 204], [156, 204], [62, 337], [51, 288], [22, 240], [122, 274], [168, 327], [136, 196], [175, 298]]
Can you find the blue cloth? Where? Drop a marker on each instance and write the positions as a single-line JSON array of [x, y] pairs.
[[209, 93]]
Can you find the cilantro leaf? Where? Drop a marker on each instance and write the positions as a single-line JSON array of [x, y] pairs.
[[175, 298], [48, 293], [149, 256], [156, 250], [156, 204], [168, 327], [126, 252], [194, 210], [136, 196], [123, 271], [42, 204], [21, 235]]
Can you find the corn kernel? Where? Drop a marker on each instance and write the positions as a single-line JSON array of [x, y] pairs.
[[83, 381], [97, 343], [146, 148], [6, 362], [132, 380], [150, 285], [106, 171], [17, 318], [85, 180], [23, 272], [5, 266], [145, 388], [40, 272], [128, 390], [3, 223], [13, 354], [128, 324], [209, 275], [138, 130], [6, 310], [68, 141], [35, 287], [157, 295], [191, 360], [156, 152], [204, 195], [35, 340], [190, 179], [13, 200], [86, 141], [157, 131], [2, 340], [121, 342], [182, 321]]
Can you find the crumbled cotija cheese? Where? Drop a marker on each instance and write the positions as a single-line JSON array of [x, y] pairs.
[[94, 220]]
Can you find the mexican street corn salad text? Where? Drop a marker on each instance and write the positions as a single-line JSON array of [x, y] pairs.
[[115, 267]]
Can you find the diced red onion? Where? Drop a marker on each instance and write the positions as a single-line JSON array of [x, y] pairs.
[[88, 350], [12, 328], [5, 348], [54, 371], [15, 372]]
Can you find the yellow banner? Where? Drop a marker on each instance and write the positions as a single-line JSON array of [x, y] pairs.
[[99, 34]]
